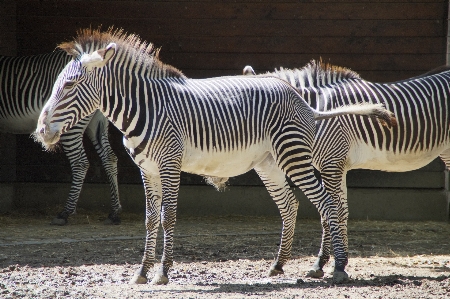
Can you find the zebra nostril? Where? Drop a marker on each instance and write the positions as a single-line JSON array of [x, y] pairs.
[[42, 131]]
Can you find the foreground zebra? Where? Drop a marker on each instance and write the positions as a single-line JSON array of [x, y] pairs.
[[218, 127], [25, 85], [422, 134]]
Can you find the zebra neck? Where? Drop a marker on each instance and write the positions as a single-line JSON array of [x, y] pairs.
[[130, 98]]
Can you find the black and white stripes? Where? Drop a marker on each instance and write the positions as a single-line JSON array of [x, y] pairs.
[[420, 105], [217, 127], [25, 85]]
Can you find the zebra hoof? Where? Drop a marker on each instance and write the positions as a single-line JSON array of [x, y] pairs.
[[275, 270], [315, 273], [138, 279], [160, 279], [340, 277], [59, 221]]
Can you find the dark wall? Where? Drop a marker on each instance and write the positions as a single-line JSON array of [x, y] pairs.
[[383, 41], [8, 46]]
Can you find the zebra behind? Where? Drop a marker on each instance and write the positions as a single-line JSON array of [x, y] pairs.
[[219, 127], [25, 85], [422, 109]]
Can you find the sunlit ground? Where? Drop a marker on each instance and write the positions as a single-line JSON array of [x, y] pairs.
[[226, 257]]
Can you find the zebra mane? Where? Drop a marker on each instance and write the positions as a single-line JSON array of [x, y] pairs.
[[89, 40], [322, 69], [315, 74]]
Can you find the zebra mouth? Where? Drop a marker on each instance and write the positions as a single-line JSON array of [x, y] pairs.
[[46, 139], [53, 139]]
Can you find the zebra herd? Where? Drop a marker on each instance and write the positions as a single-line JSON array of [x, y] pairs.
[[281, 124]]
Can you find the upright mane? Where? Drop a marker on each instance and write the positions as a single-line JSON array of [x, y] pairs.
[[316, 74], [324, 70], [89, 40]]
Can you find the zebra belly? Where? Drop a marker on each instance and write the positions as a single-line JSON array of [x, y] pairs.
[[364, 156], [223, 164]]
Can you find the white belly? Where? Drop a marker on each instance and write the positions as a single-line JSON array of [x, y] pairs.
[[223, 164], [213, 163], [366, 157]]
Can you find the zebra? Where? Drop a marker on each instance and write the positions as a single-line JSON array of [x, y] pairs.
[[217, 127], [25, 85], [422, 134]]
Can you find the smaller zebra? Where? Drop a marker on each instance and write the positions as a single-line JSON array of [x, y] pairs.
[[422, 109], [25, 85], [216, 127]]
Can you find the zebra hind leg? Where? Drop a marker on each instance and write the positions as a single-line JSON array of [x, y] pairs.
[[97, 131], [296, 163], [334, 180], [324, 254], [275, 181]]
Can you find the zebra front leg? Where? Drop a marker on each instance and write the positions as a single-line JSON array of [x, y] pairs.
[[153, 199], [72, 143], [170, 180], [275, 181], [97, 131]]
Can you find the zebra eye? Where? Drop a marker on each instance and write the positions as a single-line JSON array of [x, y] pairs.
[[69, 84]]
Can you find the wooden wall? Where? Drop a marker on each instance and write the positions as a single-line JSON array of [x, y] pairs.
[[382, 40]]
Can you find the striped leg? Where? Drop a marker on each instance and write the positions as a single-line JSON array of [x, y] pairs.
[[72, 143], [275, 181], [161, 194], [97, 131], [170, 180], [335, 183], [294, 157], [153, 200]]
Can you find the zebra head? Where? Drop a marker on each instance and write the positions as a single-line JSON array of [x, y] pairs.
[[75, 95]]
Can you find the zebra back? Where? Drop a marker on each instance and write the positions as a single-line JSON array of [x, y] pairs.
[[420, 104], [25, 85]]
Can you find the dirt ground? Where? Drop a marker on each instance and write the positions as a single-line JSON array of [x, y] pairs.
[[218, 258]]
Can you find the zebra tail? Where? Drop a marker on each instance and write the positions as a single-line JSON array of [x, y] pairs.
[[384, 116]]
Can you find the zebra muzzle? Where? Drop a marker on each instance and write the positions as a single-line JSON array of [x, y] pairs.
[[45, 135]]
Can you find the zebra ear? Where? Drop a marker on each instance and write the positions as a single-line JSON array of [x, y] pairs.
[[248, 70], [99, 58], [108, 52]]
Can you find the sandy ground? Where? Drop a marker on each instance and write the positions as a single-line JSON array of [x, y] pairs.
[[218, 258]]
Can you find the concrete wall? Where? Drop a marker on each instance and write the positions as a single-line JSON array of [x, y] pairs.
[[371, 204]]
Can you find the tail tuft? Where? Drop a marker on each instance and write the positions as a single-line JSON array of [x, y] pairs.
[[384, 116]]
